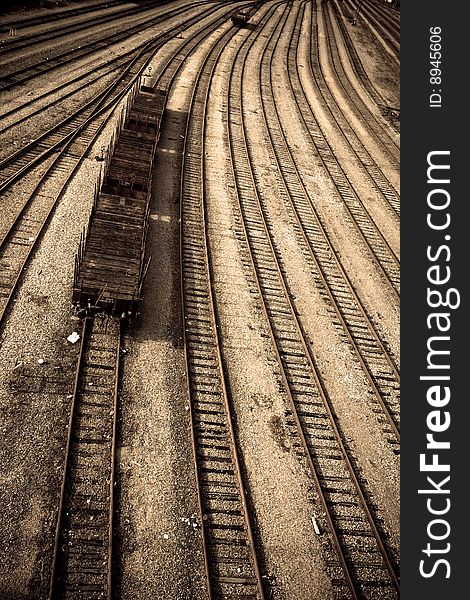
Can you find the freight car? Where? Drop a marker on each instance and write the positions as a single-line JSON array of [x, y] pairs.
[[110, 265], [240, 18]]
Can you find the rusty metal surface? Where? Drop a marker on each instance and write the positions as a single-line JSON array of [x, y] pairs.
[[110, 263]]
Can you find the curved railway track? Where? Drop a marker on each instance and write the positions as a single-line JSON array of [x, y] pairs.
[[356, 62], [380, 133], [367, 567], [116, 64], [23, 159], [19, 43], [384, 257], [119, 65], [375, 359], [231, 562], [30, 72], [385, 16], [69, 12], [361, 563], [83, 548], [365, 161], [384, 27]]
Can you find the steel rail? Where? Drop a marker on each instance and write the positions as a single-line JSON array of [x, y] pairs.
[[375, 128], [102, 43], [85, 327], [48, 18], [388, 262], [307, 354], [101, 577], [104, 65], [388, 40], [316, 255], [200, 100], [16, 44], [366, 163], [188, 43]]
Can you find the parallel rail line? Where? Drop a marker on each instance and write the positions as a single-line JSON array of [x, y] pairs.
[[377, 362], [385, 17], [360, 70], [19, 43], [357, 106], [380, 26], [30, 72], [355, 59], [367, 163], [20, 161], [70, 12], [25, 232], [366, 565], [83, 549], [383, 256], [231, 563]]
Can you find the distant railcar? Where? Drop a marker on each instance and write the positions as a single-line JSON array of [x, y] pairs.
[[240, 18], [109, 268]]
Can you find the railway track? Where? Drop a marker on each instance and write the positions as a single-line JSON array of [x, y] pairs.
[[386, 16], [364, 561], [118, 65], [383, 27], [231, 562], [57, 16], [18, 163], [28, 73], [20, 240], [380, 134], [366, 163], [115, 65], [25, 231], [19, 43], [169, 70], [363, 567], [383, 256], [392, 114], [377, 362], [78, 84], [356, 62], [83, 548]]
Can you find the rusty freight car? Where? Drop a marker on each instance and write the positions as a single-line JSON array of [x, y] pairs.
[[240, 18], [110, 265]]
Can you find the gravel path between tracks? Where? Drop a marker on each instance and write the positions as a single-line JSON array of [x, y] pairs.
[[161, 553]]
